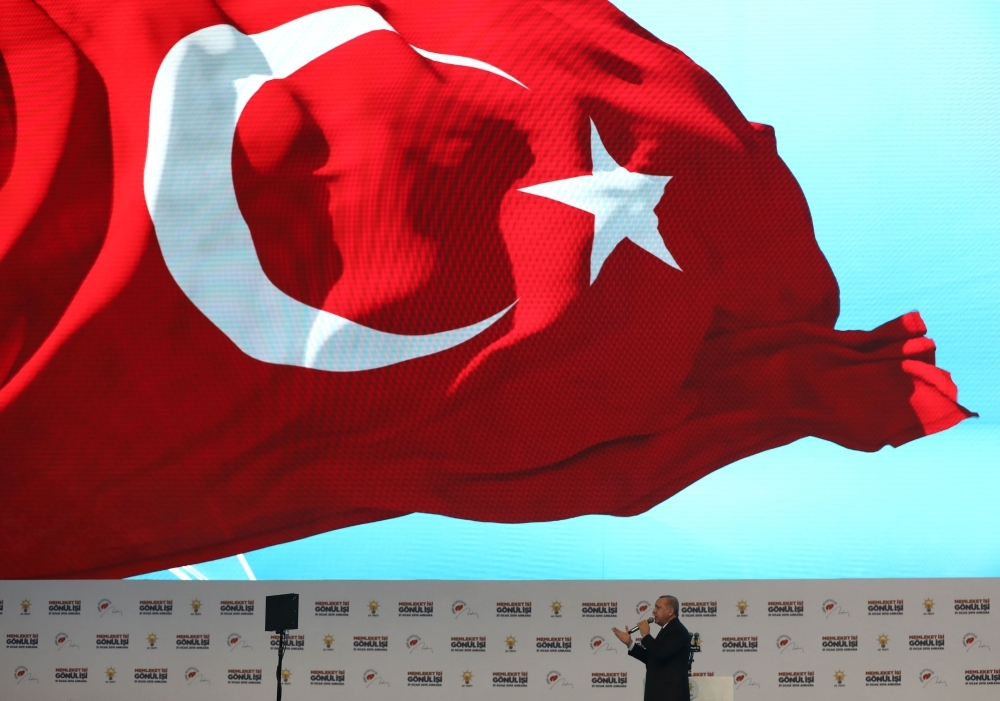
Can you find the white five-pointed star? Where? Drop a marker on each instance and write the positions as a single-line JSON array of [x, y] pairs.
[[621, 201]]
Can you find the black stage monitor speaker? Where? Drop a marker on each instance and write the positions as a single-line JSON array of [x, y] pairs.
[[281, 612]]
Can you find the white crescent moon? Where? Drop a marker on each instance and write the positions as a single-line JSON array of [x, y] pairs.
[[201, 88]]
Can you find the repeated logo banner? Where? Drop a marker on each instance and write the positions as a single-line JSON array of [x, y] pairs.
[[448, 640]]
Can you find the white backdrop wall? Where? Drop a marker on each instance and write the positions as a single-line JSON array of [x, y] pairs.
[[814, 639]]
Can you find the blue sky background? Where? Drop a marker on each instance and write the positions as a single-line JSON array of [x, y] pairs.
[[889, 116]]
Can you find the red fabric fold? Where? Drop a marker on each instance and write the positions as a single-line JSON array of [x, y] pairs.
[[387, 188]]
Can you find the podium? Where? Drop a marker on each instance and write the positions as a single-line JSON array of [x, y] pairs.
[[711, 688]]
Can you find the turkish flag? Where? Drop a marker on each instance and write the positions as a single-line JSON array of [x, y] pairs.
[[270, 269]]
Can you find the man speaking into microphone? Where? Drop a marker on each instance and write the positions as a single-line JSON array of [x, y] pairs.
[[665, 656]]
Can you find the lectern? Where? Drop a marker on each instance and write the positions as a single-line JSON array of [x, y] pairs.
[[712, 688]]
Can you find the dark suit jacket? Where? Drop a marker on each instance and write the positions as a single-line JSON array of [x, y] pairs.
[[666, 658]]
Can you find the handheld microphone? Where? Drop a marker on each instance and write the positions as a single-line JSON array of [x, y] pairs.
[[635, 628]]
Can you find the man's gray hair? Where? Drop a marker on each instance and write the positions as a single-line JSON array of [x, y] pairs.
[[673, 603]]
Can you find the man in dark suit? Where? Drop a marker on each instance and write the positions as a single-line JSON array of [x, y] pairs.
[[665, 656]]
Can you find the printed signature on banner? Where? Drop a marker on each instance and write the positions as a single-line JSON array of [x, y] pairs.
[[460, 609], [786, 644], [372, 678], [743, 679], [106, 608], [64, 641], [971, 641], [415, 644], [192, 675], [832, 608], [23, 676], [598, 645], [556, 680], [235, 641], [928, 677]]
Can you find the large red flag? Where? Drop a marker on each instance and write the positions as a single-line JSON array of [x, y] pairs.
[[270, 269]]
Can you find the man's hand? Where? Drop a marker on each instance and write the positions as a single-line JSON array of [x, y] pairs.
[[623, 636], [643, 628]]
